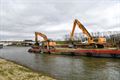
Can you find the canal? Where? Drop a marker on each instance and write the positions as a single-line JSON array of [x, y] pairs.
[[63, 67]]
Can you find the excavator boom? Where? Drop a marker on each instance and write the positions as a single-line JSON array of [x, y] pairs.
[[84, 30], [40, 34]]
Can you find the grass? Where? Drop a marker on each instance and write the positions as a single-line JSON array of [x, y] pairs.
[[12, 71]]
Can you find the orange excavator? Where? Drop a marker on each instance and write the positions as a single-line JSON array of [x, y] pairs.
[[48, 43], [95, 42], [42, 46]]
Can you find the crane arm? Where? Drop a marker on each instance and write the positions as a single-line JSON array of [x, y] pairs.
[[84, 30]]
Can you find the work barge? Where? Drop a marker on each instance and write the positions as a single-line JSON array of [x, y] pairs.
[[95, 46], [106, 52]]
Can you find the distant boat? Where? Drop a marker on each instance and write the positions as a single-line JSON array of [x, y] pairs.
[[1, 46]]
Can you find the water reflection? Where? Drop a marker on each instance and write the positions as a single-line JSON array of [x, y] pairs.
[[66, 67]]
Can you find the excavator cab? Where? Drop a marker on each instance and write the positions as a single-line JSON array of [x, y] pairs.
[[90, 41], [101, 40]]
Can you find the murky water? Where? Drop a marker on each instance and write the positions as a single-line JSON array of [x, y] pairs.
[[65, 67]]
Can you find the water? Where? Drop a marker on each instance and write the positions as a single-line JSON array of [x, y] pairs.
[[64, 67]]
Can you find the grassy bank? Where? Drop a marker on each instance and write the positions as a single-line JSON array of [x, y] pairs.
[[12, 71]]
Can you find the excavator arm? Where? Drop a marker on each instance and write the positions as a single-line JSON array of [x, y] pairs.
[[40, 34], [84, 30]]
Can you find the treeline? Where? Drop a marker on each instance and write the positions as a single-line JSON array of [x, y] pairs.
[[112, 37]]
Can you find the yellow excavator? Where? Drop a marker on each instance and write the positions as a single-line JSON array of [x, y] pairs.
[[48, 43], [95, 42]]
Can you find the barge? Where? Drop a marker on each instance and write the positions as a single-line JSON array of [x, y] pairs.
[[106, 52]]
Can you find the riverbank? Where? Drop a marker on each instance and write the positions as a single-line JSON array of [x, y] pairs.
[[12, 71]]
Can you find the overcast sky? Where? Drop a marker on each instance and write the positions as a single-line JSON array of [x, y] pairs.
[[19, 19]]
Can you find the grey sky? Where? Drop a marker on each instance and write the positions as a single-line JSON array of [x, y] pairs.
[[19, 19]]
